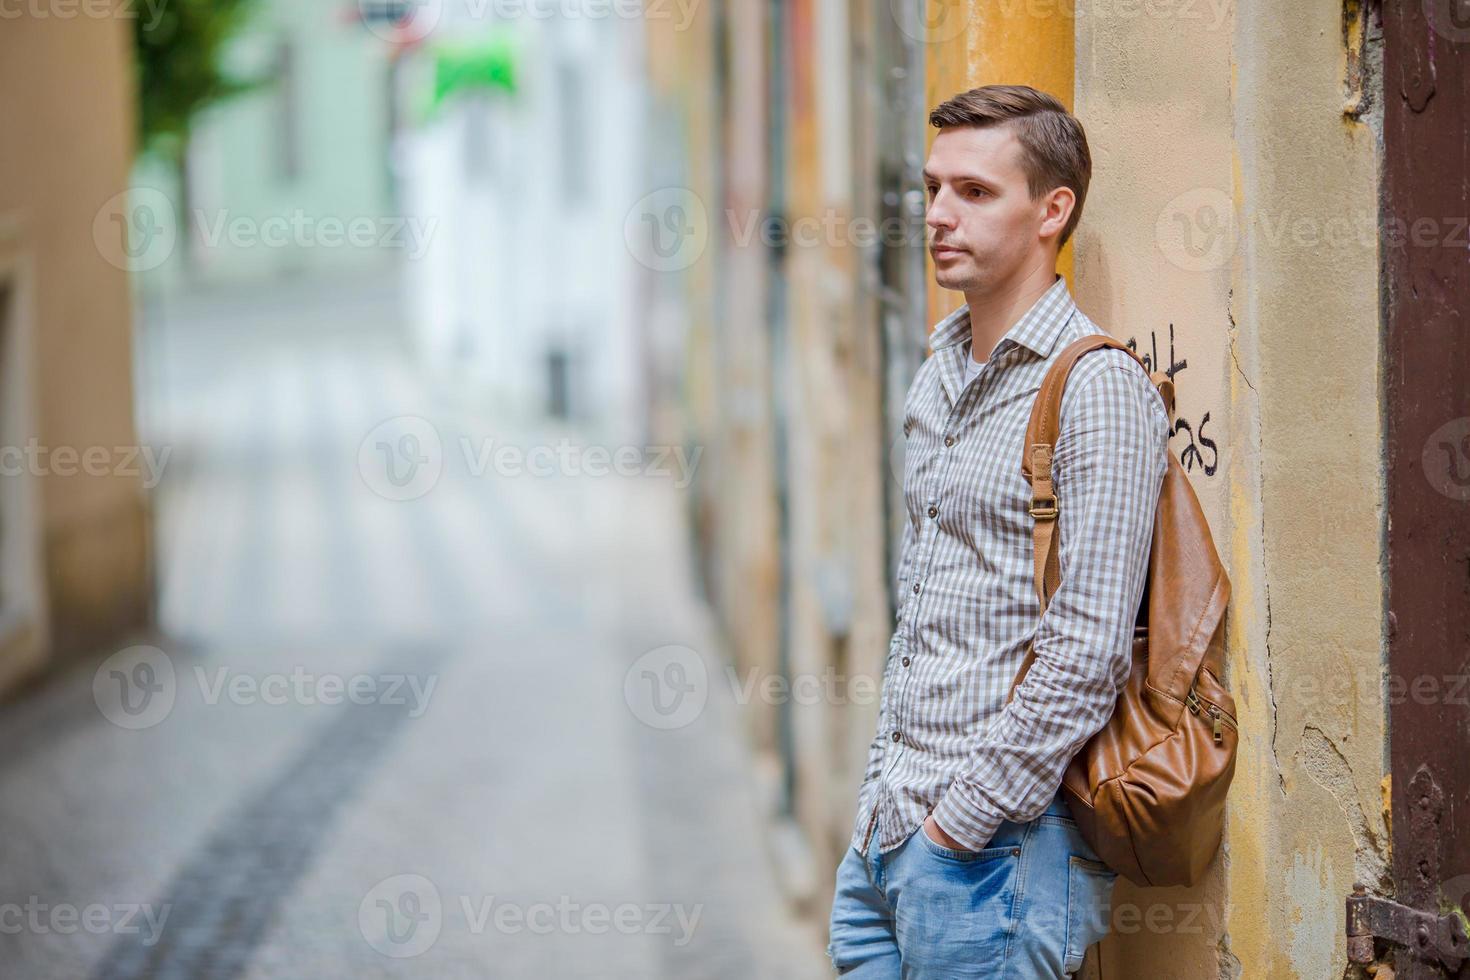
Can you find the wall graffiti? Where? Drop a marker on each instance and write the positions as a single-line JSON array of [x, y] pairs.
[[1199, 450]]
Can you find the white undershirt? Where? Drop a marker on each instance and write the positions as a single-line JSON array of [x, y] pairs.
[[972, 368]]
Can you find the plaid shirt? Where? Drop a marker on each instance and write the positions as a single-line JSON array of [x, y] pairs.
[[947, 741]]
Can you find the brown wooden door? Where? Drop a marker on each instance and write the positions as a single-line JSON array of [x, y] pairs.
[[1426, 397]]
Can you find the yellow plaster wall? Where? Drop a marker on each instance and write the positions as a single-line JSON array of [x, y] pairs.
[[1224, 171], [1307, 332]]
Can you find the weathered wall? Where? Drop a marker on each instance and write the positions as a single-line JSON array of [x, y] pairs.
[[1230, 231], [747, 579], [67, 112], [785, 375], [1153, 93], [837, 592], [1307, 821]]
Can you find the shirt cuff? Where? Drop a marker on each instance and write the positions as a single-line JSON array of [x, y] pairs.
[[966, 822]]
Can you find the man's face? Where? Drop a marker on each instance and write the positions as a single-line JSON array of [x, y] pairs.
[[983, 227]]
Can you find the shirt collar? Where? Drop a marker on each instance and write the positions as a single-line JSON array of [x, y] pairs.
[[1037, 330]]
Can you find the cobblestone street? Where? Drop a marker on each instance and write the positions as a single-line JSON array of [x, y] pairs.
[[381, 737]]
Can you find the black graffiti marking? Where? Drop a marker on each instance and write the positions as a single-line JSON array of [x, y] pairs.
[[1151, 360], [1191, 453]]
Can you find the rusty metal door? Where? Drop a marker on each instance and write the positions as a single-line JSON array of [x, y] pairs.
[[1426, 399]]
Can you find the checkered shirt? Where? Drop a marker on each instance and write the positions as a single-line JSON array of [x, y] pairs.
[[947, 741]]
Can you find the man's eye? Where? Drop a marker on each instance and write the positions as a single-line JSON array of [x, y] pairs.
[[976, 192]]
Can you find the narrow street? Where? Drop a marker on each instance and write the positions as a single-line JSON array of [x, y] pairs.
[[381, 737]]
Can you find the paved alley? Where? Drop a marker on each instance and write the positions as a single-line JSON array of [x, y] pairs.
[[393, 723]]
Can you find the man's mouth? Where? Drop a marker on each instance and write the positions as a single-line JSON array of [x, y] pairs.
[[940, 251]]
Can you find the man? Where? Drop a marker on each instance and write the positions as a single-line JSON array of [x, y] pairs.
[[965, 861]]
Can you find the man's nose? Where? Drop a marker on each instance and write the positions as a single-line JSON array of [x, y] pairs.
[[937, 216]]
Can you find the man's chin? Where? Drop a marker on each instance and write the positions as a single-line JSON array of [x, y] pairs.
[[956, 279]]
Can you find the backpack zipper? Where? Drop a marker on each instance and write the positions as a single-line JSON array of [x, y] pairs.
[[1217, 717]]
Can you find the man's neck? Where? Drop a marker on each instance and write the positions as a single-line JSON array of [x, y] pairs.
[[994, 312]]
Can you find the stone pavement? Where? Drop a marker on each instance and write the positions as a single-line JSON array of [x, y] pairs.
[[382, 737]]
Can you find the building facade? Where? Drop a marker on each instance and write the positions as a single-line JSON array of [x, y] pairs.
[[74, 522], [287, 179]]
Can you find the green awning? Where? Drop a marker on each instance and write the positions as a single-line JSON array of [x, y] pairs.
[[483, 64]]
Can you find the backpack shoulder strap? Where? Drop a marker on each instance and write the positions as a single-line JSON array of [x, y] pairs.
[[1041, 439], [1036, 459]]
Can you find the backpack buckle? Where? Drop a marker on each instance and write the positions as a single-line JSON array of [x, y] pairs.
[[1043, 508]]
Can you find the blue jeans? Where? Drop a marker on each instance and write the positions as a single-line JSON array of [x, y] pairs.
[[1027, 906]]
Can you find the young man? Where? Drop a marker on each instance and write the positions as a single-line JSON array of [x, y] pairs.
[[965, 861]]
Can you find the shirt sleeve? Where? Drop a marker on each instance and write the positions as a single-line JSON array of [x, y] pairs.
[[1108, 467]]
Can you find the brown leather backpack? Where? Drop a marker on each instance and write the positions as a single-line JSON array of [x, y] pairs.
[[1148, 790]]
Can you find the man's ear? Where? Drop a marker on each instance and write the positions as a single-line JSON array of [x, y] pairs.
[[1057, 207]]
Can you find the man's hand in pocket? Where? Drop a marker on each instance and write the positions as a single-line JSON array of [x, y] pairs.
[[937, 835]]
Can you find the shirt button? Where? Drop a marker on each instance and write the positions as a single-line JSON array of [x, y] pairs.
[[896, 736], [905, 661], [933, 511], [949, 440], [916, 588]]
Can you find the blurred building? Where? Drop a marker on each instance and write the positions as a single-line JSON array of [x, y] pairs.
[[486, 156], [74, 539], [293, 177], [1249, 161], [521, 145]]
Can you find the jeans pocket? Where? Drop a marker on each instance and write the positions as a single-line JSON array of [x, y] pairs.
[[956, 909], [951, 854], [1089, 907]]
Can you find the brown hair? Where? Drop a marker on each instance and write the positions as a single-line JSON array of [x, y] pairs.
[[1053, 146]]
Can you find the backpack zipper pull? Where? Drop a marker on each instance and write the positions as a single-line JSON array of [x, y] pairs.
[[1215, 717]]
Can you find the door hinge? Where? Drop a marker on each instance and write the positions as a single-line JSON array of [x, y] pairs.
[[1438, 938]]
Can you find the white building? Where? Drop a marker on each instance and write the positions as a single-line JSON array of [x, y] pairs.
[[527, 289]]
